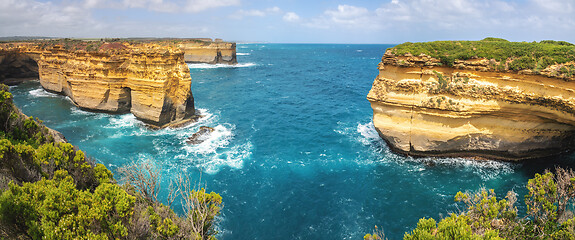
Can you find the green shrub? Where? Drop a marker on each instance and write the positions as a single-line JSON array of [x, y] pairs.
[[531, 55], [56, 209], [522, 63], [165, 227], [549, 200]]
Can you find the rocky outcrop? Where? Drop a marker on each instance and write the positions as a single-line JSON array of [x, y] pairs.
[[148, 80], [207, 51], [200, 136], [422, 107]]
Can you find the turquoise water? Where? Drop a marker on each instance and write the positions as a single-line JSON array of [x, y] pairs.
[[294, 154]]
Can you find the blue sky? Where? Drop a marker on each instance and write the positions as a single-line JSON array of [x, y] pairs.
[[293, 21]]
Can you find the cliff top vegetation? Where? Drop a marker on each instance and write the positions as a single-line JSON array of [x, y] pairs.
[[103, 44], [514, 56]]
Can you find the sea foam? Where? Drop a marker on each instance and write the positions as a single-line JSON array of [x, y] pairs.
[[40, 92], [211, 66]]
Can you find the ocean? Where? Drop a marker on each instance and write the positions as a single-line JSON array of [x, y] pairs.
[[294, 153]]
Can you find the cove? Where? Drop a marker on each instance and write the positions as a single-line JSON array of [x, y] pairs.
[[294, 154]]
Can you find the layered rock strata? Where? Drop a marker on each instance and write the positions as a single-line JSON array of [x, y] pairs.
[[424, 108], [150, 81], [207, 51]]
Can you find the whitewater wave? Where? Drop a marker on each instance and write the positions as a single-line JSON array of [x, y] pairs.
[[40, 92], [77, 111], [366, 134], [217, 151], [220, 149], [362, 133], [243, 54], [123, 121], [485, 169], [219, 138], [233, 158], [210, 66]]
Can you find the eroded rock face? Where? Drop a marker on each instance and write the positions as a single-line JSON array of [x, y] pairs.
[[207, 51], [150, 81], [421, 108]]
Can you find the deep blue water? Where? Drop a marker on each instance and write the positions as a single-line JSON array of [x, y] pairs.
[[294, 154]]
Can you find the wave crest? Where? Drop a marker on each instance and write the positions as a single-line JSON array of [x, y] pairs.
[[210, 66], [40, 92]]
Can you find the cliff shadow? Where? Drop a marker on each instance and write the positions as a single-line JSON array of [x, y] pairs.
[[16, 68], [125, 100]]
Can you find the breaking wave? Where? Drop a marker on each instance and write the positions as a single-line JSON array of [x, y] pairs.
[[40, 92], [210, 66]]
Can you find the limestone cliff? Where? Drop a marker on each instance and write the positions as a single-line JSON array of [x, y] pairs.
[[148, 80], [208, 51], [424, 107]]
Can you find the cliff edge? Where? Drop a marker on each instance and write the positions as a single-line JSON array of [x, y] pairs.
[[149, 80], [491, 99], [208, 51], [147, 77]]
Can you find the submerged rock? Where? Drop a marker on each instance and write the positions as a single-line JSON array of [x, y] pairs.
[[200, 136]]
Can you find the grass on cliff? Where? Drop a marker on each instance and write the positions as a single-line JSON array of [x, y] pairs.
[[50, 190], [518, 55]]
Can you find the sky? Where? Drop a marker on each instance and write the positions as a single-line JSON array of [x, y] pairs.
[[293, 21]]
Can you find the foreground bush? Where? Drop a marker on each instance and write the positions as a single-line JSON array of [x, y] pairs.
[[549, 201], [155, 220], [56, 209], [50, 190]]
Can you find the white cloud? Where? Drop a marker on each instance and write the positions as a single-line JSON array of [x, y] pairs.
[[563, 6], [274, 10], [291, 17], [171, 6], [29, 17], [201, 5], [392, 21], [250, 13], [256, 13], [421, 20], [75, 19], [347, 14], [344, 16], [448, 14]]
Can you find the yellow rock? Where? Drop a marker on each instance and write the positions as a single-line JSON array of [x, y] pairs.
[[207, 51], [421, 108], [149, 80]]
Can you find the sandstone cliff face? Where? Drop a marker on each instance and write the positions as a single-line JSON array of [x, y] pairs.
[[423, 108], [150, 81], [212, 52]]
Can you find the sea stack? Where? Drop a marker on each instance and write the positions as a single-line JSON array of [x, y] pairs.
[[476, 99], [147, 77], [204, 50]]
